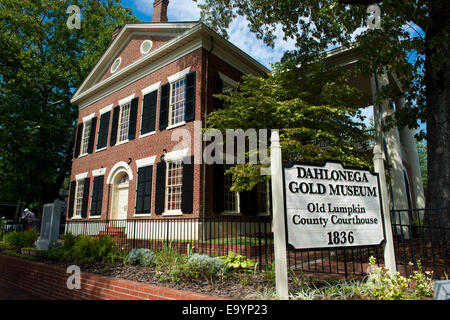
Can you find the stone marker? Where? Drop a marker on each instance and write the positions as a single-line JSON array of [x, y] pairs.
[[50, 225], [442, 290]]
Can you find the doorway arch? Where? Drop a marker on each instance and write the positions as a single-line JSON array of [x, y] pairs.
[[119, 179]]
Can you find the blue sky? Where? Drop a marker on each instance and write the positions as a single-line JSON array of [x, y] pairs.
[[239, 33]]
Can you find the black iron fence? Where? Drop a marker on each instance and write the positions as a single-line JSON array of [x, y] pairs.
[[215, 236], [422, 235], [418, 235]]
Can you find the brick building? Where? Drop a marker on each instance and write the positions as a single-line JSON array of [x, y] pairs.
[[154, 79]]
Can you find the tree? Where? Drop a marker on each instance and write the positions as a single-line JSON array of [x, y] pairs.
[[42, 61], [413, 43], [318, 119]]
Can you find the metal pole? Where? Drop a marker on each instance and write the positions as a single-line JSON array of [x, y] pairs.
[[388, 247], [279, 235]]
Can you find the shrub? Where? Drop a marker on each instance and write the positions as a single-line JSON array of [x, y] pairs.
[[21, 239], [69, 240], [238, 262], [141, 256], [83, 248], [199, 265], [385, 286]]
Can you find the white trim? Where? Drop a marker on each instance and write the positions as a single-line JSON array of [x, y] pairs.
[[185, 38], [176, 155], [94, 217], [101, 149], [106, 109], [98, 172], [178, 124], [145, 161], [151, 88], [173, 213], [228, 80], [147, 134], [136, 215], [81, 176], [89, 117], [179, 75], [122, 142], [126, 100], [151, 46], [136, 75], [177, 28], [118, 167], [112, 64]]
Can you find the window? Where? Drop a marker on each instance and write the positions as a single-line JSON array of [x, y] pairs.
[[146, 46], [116, 65], [177, 101], [86, 135], [229, 197], [262, 197], [174, 185], [79, 198], [124, 121]]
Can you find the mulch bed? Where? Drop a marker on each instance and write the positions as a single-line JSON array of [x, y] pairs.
[[233, 287]]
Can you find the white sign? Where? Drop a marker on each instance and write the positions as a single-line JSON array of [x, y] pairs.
[[332, 206]]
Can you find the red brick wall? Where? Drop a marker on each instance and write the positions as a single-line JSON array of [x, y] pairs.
[[153, 145], [132, 51], [49, 282]]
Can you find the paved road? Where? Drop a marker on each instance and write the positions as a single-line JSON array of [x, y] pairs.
[[10, 292]]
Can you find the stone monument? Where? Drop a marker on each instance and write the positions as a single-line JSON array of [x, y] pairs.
[[50, 225]]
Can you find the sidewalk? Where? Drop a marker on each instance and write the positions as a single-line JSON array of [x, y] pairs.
[[9, 292]]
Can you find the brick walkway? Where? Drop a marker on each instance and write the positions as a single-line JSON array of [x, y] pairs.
[[10, 292]]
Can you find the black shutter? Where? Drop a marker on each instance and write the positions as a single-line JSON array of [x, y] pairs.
[[189, 109], [218, 187], [84, 204], [115, 124], [149, 112], [92, 135], [78, 141], [97, 196], [164, 106], [248, 201], [187, 188], [73, 186], [160, 187], [103, 130], [144, 190], [217, 88], [133, 119]]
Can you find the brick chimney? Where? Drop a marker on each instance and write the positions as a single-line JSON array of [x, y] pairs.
[[116, 32], [160, 10]]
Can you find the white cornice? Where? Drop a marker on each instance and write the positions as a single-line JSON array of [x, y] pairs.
[[196, 37]]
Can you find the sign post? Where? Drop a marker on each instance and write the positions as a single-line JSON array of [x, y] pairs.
[[389, 253], [279, 235]]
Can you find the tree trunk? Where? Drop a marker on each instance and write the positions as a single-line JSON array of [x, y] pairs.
[[437, 81]]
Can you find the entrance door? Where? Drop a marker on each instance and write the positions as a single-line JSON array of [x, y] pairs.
[[122, 203], [120, 198]]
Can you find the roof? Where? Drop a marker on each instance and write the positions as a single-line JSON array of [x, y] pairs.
[[187, 37]]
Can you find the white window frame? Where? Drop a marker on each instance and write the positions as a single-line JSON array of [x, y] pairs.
[[173, 156], [79, 178], [85, 140], [172, 80], [122, 103]]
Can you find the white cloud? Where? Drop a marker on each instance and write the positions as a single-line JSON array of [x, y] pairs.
[[239, 32]]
